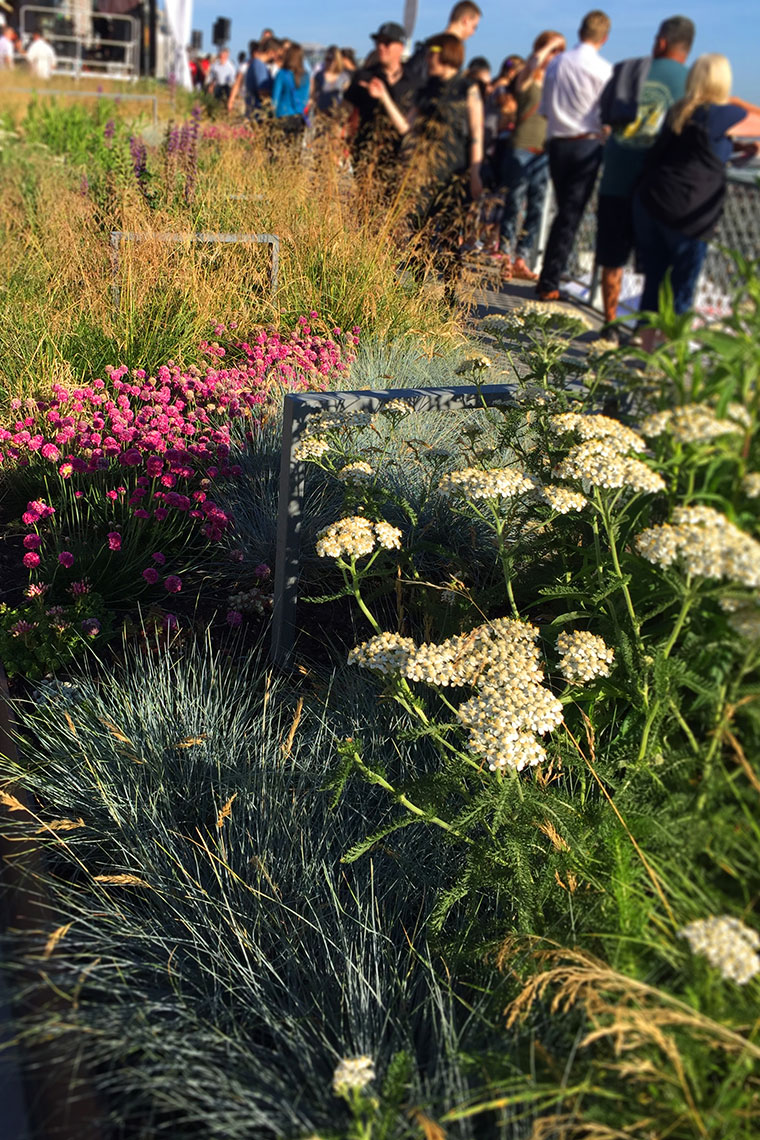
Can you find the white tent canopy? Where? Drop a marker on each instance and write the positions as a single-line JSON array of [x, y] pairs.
[[179, 17]]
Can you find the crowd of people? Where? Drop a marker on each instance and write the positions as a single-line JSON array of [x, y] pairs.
[[38, 53], [476, 152], [483, 148]]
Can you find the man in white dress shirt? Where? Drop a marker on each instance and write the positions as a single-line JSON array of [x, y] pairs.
[[40, 56], [572, 89]]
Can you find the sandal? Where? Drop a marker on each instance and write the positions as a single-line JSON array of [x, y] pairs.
[[522, 271]]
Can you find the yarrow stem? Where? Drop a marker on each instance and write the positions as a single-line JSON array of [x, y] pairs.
[[686, 604], [376, 778], [609, 527]]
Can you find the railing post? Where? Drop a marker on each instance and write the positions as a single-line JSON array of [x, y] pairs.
[[289, 514]]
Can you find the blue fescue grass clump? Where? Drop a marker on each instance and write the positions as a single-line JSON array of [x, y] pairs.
[[208, 959]]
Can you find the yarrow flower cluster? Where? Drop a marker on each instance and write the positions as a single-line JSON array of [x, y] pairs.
[[353, 1073], [473, 364], [501, 660], [476, 483], [743, 616], [583, 656], [696, 423], [315, 440], [588, 427], [600, 463], [356, 536], [728, 945], [396, 408], [562, 499], [751, 485], [253, 601], [705, 544], [358, 472]]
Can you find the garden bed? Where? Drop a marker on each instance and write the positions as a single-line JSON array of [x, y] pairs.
[[483, 861]]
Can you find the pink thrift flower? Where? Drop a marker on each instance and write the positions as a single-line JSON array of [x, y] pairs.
[[173, 584], [36, 589], [159, 557], [160, 514], [234, 618], [30, 518], [22, 627], [32, 542], [91, 627], [141, 513], [31, 560], [66, 470], [151, 575], [50, 451], [66, 558], [114, 540], [262, 570]]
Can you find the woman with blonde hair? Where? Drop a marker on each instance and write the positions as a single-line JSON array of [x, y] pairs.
[[679, 200], [329, 83]]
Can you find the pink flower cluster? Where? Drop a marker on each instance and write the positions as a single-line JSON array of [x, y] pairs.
[[175, 421], [158, 442]]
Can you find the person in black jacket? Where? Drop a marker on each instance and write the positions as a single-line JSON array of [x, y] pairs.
[[438, 151], [679, 199]]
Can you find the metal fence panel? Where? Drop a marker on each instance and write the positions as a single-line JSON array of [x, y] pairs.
[[298, 408]]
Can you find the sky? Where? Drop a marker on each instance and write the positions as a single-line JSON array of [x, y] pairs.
[[728, 26]]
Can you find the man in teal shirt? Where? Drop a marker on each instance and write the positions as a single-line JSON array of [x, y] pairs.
[[626, 152]]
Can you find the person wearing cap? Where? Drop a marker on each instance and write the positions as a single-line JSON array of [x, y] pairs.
[[374, 139], [437, 152]]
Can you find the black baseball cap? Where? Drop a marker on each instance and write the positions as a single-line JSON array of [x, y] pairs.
[[391, 32]]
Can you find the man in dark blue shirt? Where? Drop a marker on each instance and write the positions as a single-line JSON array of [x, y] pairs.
[[258, 78]]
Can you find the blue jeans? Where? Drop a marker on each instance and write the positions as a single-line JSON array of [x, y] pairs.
[[660, 248], [526, 177]]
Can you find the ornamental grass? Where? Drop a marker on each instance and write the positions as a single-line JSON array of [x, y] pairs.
[[484, 862]]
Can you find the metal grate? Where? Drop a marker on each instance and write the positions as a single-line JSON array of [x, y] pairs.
[[739, 230]]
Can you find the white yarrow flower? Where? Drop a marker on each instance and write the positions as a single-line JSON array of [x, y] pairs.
[[502, 662], [583, 656], [600, 463], [312, 447], [358, 472], [727, 944], [353, 1073], [751, 485], [562, 499], [691, 423], [475, 483], [473, 364], [597, 427], [706, 544], [356, 536]]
